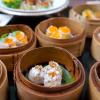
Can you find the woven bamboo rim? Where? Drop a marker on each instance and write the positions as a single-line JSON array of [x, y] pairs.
[[95, 47], [96, 34], [3, 81], [94, 75], [81, 78], [3, 77], [0, 72]]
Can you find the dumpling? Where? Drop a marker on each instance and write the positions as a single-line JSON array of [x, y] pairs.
[[88, 14], [21, 38], [36, 75], [62, 32], [52, 32], [49, 76], [65, 32], [53, 75], [11, 41]]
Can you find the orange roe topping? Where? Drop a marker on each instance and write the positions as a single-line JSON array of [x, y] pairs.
[[52, 74], [8, 41], [64, 29], [52, 29]]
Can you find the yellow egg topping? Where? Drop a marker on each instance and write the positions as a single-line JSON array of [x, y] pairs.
[[51, 29], [10, 42], [59, 33], [64, 30], [21, 37], [52, 32], [55, 35]]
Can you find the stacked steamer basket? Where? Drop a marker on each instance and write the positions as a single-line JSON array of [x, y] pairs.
[[90, 25], [95, 47], [94, 82], [29, 90], [75, 45], [3, 82], [10, 55]]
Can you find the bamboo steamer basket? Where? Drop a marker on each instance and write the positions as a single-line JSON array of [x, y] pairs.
[[75, 45], [95, 47], [94, 82], [3, 81], [28, 90], [90, 25], [10, 55]]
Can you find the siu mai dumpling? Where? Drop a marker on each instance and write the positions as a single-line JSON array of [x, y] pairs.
[[35, 74], [53, 75]]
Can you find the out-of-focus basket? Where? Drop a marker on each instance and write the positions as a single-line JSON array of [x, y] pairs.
[[94, 82], [75, 45], [10, 55], [28, 90], [95, 47], [3, 82], [90, 25]]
